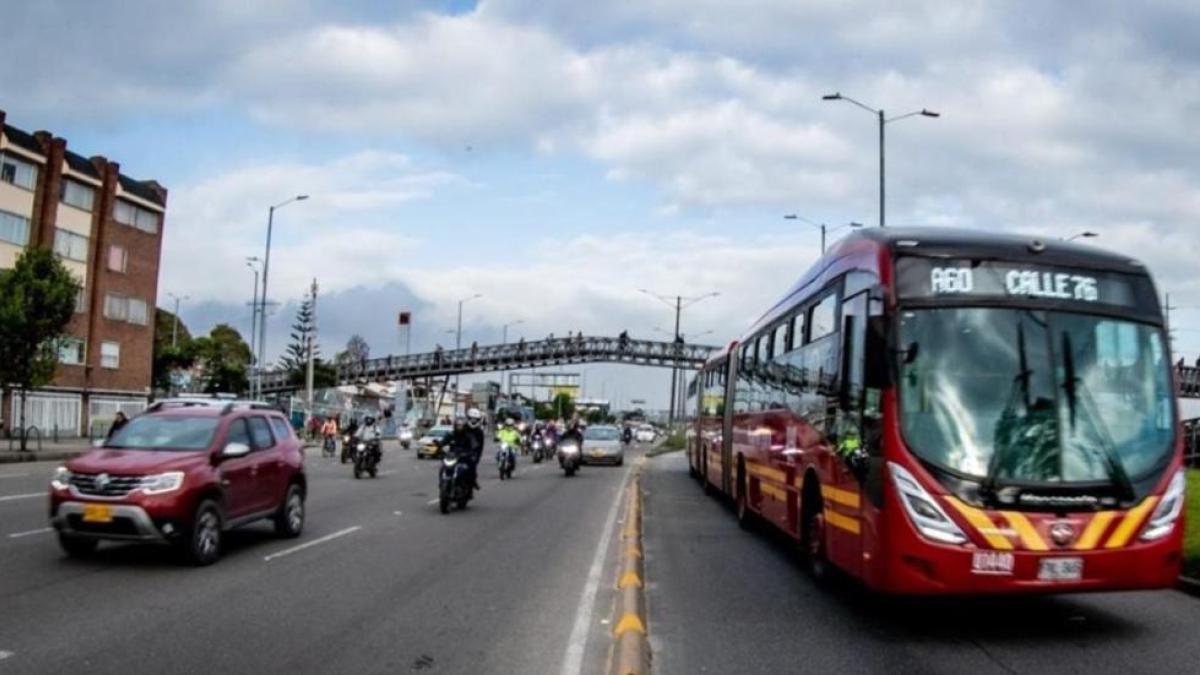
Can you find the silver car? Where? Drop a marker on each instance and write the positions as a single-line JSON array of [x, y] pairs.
[[602, 445]]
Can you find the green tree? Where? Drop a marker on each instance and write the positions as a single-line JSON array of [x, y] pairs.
[[295, 358], [37, 299], [357, 350], [169, 357], [324, 375], [225, 357]]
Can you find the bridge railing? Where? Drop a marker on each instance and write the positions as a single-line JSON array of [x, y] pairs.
[[512, 355]]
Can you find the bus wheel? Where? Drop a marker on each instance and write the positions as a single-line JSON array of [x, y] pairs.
[[744, 517], [813, 535]]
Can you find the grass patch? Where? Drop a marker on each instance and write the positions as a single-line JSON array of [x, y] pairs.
[[674, 443], [1191, 537]]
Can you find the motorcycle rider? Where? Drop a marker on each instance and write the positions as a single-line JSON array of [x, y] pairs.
[[466, 441], [508, 435], [627, 435], [371, 432], [574, 433]]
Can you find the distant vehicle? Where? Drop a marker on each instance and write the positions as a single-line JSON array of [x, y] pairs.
[[602, 445], [404, 434], [645, 434], [182, 473], [454, 484], [430, 445], [999, 407], [521, 415]]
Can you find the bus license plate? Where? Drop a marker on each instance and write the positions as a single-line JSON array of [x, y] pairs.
[[1060, 569]]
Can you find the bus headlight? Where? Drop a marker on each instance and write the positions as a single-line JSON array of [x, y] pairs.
[[924, 512], [1162, 521]]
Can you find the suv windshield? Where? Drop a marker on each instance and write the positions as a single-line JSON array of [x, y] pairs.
[[1017, 395], [164, 432]]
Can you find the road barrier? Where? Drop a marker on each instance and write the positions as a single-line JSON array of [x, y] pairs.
[[631, 648]]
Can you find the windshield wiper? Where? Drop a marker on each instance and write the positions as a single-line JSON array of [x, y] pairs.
[[1074, 387], [1020, 384]]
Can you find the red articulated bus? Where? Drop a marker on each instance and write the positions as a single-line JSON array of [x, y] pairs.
[[938, 411]]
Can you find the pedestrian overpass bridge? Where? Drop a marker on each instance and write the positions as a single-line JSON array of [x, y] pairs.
[[510, 356]]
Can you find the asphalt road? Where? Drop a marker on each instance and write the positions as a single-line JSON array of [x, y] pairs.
[[379, 582], [721, 600]]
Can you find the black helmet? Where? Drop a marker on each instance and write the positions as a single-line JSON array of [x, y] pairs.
[[369, 420]]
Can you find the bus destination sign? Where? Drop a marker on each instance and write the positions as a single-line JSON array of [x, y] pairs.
[[957, 278]]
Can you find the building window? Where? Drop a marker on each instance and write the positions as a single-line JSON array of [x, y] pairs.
[[116, 307], [78, 195], [70, 352], [128, 213], [18, 172], [121, 308], [70, 245], [137, 311], [81, 301], [110, 355], [117, 259], [14, 229]]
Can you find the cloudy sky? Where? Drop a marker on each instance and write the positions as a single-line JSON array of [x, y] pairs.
[[556, 156]]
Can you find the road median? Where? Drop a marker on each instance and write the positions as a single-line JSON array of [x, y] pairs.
[[631, 648]]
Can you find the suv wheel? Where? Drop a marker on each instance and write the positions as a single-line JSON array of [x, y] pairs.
[[204, 543], [76, 547], [289, 522]]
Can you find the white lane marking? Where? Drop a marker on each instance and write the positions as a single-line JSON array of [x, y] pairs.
[[386, 473], [13, 475], [314, 542], [573, 659], [42, 530], [433, 501], [5, 655], [398, 513], [31, 495]]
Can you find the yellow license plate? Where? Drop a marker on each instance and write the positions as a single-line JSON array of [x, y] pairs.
[[597, 453], [97, 513]]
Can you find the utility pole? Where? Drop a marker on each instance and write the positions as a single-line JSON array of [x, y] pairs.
[[175, 325], [312, 337], [680, 303], [252, 263]]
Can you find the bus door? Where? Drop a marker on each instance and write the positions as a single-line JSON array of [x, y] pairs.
[[844, 495]]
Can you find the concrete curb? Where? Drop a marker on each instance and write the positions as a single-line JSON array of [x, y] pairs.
[[631, 648], [44, 456], [1189, 585]]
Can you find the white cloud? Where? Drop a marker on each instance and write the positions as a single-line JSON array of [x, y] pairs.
[[343, 233]]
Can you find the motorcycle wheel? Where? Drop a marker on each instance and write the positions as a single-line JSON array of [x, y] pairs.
[[357, 471], [569, 470], [444, 504], [372, 471], [462, 503]]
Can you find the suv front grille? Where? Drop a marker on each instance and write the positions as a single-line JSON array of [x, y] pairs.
[[112, 486]]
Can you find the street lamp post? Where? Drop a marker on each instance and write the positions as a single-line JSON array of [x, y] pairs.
[[679, 304], [883, 121], [175, 325], [793, 216], [252, 263], [458, 332], [262, 316], [504, 339]]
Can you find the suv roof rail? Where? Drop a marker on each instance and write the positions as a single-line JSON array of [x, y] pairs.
[[247, 405]]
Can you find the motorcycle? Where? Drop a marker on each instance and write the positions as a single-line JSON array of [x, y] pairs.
[[366, 458], [506, 458], [540, 450], [347, 448], [454, 482], [570, 457]]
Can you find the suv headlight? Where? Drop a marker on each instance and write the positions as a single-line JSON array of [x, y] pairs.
[[924, 512], [61, 479], [162, 482], [1162, 521]]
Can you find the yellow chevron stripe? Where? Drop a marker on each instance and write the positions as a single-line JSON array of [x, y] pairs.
[[1133, 519], [984, 525], [775, 492], [843, 497], [1095, 529], [766, 472], [1030, 539], [841, 522]]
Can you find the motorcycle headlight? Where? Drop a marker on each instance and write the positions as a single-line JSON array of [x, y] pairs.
[[362, 446], [1162, 521], [569, 449], [924, 512], [162, 483], [61, 478], [449, 461]]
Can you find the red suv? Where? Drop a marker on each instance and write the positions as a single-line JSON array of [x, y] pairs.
[[182, 473]]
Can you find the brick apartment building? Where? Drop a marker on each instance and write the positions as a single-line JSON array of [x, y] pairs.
[[107, 229]]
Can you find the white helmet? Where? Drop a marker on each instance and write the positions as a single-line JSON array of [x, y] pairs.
[[509, 422], [474, 417]]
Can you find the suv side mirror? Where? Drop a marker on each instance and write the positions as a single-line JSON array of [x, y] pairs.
[[235, 450]]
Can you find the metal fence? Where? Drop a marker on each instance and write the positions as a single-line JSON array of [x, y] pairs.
[[1191, 442]]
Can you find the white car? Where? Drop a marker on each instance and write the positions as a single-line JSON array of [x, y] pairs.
[[645, 434]]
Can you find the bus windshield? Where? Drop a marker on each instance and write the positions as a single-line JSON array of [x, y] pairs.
[[1027, 396]]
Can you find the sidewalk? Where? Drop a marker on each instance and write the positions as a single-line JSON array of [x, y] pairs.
[[50, 451]]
